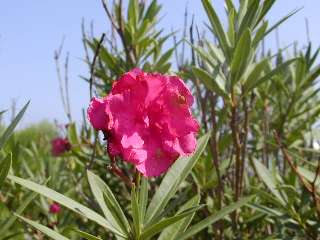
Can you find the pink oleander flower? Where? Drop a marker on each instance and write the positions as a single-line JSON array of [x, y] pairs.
[[59, 146], [54, 208], [146, 120]]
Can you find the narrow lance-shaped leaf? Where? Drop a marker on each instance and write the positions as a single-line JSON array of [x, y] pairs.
[[231, 32], [171, 232], [170, 183], [241, 55], [256, 71], [108, 203], [5, 166], [7, 133], [256, 82], [2, 112], [230, 6], [47, 231], [135, 212], [85, 235], [23, 205], [213, 218], [214, 84], [159, 226], [259, 35], [143, 198], [269, 180], [67, 202], [250, 17], [282, 20], [164, 58], [217, 27], [265, 9], [133, 13]]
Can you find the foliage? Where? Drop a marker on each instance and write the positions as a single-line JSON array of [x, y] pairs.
[[254, 175]]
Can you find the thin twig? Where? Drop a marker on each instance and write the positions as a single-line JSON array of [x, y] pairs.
[[94, 63], [184, 32], [237, 146], [84, 41], [314, 189], [216, 162], [117, 171], [120, 29], [57, 55], [288, 158], [66, 82]]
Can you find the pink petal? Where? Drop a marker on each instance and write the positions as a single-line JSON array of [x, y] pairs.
[[126, 81], [135, 156], [97, 114], [134, 141], [180, 86], [158, 161], [156, 83]]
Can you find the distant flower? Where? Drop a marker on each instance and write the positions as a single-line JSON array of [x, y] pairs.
[[60, 146], [147, 120], [54, 208]]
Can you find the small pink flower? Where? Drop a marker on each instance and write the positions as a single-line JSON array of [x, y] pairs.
[[54, 208], [60, 146], [147, 120]]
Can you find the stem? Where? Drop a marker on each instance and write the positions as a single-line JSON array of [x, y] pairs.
[[236, 145], [118, 172], [215, 156], [94, 63], [311, 189]]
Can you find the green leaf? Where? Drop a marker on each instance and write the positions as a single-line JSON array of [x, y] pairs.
[[241, 56], [133, 13], [255, 83], [152, 11], [174, 177], [214, 84], [230, 6], [72, 134], [311, 76], [135, 212], [67, 202], [256, 72], [260, 34], [164, 58], [267, 5], [12, 126], [171, 232], [242, 10], [213, 218], [2, 112], [231, 32], [5, 166], [310, 176], [269, 180], [143, 198], [217, 27], [248, 20], [108, 203], [159, 226], [47, 231], [282, 20], [84, 234], [9, 222]]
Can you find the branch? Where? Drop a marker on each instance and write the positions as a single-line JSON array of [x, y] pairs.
[[94, 63]]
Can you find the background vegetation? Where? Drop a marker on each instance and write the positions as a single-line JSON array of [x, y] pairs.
[[257, 178]]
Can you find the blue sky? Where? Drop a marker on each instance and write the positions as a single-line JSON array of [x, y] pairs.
[[31, 30]]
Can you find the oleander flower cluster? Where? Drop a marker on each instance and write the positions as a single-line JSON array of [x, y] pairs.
[[147, 120], [59, 146]]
